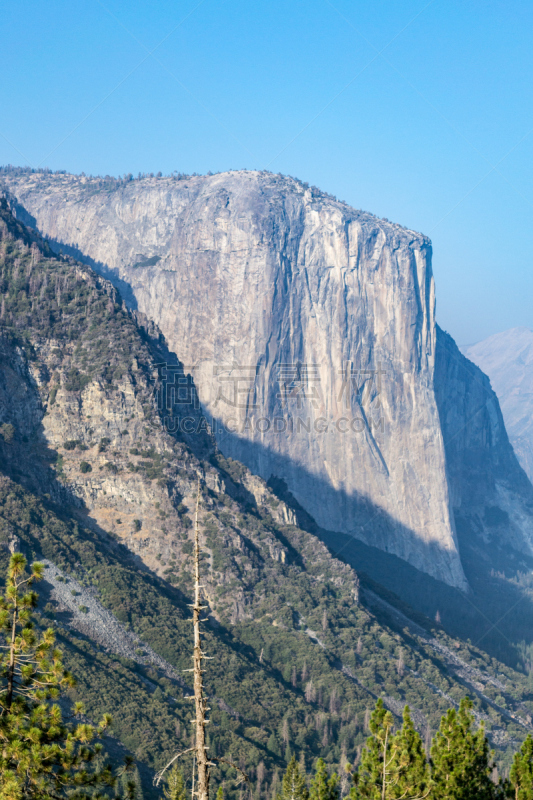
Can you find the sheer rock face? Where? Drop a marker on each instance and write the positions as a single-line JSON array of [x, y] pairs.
[[490, 491], [507, 358], [309, 328]]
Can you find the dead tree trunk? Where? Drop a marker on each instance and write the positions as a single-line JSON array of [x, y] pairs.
[[202, 760], [11, 667]]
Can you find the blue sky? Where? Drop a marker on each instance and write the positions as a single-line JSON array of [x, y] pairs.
[[418, 111]]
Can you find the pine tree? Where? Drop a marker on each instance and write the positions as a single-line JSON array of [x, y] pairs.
[[461, 760], [393, 766], [294, 786], [521, 775], [126, 786], [273, 745], [322, 786], [175, 785], [412, 769], [41, 756], [137, 793], [372, 777]]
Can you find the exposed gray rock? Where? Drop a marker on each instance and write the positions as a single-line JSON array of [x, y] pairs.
[[489, 490], [90, 617], [309, 328], [507, 358]]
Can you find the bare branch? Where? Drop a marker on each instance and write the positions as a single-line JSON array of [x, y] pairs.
[[159, 775]]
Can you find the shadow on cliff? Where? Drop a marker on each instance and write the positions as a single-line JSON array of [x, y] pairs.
[[498, 577], [100, 268], [368, 522], [496, 613]]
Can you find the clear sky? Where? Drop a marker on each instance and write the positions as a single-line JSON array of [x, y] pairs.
[[418, 111]]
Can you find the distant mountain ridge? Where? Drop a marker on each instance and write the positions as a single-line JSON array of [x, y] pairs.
[[507, 358]]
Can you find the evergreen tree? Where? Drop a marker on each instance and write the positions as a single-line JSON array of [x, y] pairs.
[[412, 778], [522, 771], [461, 760], [137, 792], [175, 785], [41, 757], [322, 786], [126, 786], [273, 745], [294, 786], [372, 778], [393, 766]]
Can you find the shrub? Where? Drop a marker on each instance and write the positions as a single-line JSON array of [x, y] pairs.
[[76, 381], [85, 467], [7, 431]]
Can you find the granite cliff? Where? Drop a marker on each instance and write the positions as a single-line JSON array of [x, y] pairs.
[[309, 328], [507, 358]]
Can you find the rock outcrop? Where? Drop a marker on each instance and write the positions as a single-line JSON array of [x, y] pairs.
[[309, 328]]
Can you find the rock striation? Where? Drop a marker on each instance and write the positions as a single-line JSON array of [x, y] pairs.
[[309, 328]]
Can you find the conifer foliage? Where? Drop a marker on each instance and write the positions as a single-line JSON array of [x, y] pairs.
[[522, 771], [41, 756], [294, 786], [393, 766], [412, 770], [175, 785], [461, 760], [324, 787], [375, 772]]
